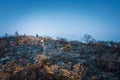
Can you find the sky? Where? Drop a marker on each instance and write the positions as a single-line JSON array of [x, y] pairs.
[[62, 18]]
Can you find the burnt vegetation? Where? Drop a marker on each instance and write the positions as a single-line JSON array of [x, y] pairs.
[[43, 58]]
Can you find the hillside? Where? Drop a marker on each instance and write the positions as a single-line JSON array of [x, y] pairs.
[[44, 58]]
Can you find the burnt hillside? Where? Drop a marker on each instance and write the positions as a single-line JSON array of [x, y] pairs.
[[44, 58]]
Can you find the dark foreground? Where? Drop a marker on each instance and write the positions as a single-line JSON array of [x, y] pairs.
[[30, 58]]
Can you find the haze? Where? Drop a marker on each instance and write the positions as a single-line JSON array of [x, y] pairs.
[[61, 18]]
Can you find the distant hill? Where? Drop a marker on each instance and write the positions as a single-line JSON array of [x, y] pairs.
[[43, 58]]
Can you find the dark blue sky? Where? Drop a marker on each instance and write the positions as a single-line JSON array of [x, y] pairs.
[[64, 18]]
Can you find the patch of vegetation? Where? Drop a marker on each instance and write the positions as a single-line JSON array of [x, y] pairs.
[[43, 58]]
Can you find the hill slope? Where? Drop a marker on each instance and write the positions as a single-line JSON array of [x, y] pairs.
[[39, 58]]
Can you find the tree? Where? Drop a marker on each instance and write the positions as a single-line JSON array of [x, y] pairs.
[[87, 38], [6, 35], [37, 35], [16, 33]]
